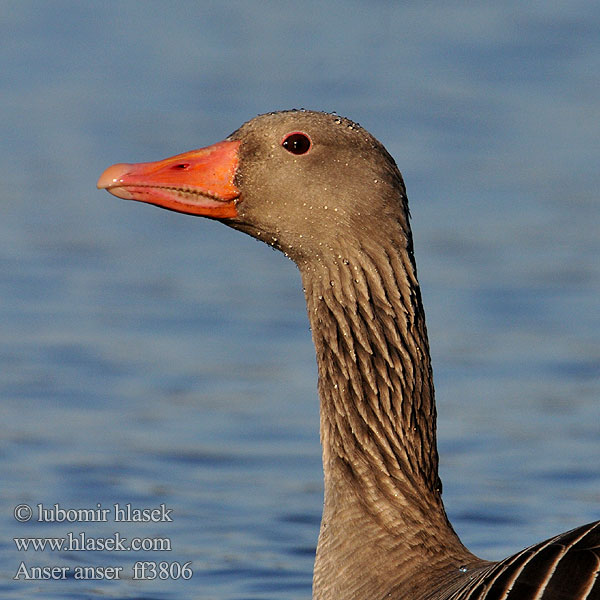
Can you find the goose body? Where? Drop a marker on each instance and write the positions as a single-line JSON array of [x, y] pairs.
[[325, 192]]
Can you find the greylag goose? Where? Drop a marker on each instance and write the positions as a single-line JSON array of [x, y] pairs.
[[325, 192]]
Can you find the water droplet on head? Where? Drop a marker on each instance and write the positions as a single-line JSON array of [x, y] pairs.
[[463, 569]]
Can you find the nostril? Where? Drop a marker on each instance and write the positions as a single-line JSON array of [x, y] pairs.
[[182, 166]]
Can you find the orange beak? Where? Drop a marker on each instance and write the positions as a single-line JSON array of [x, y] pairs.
[[199, 182]]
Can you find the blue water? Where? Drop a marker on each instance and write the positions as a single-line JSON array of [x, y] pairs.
[[151, 358]]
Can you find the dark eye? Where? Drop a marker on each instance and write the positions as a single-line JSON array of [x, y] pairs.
[[181, 166], [296, 143]]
